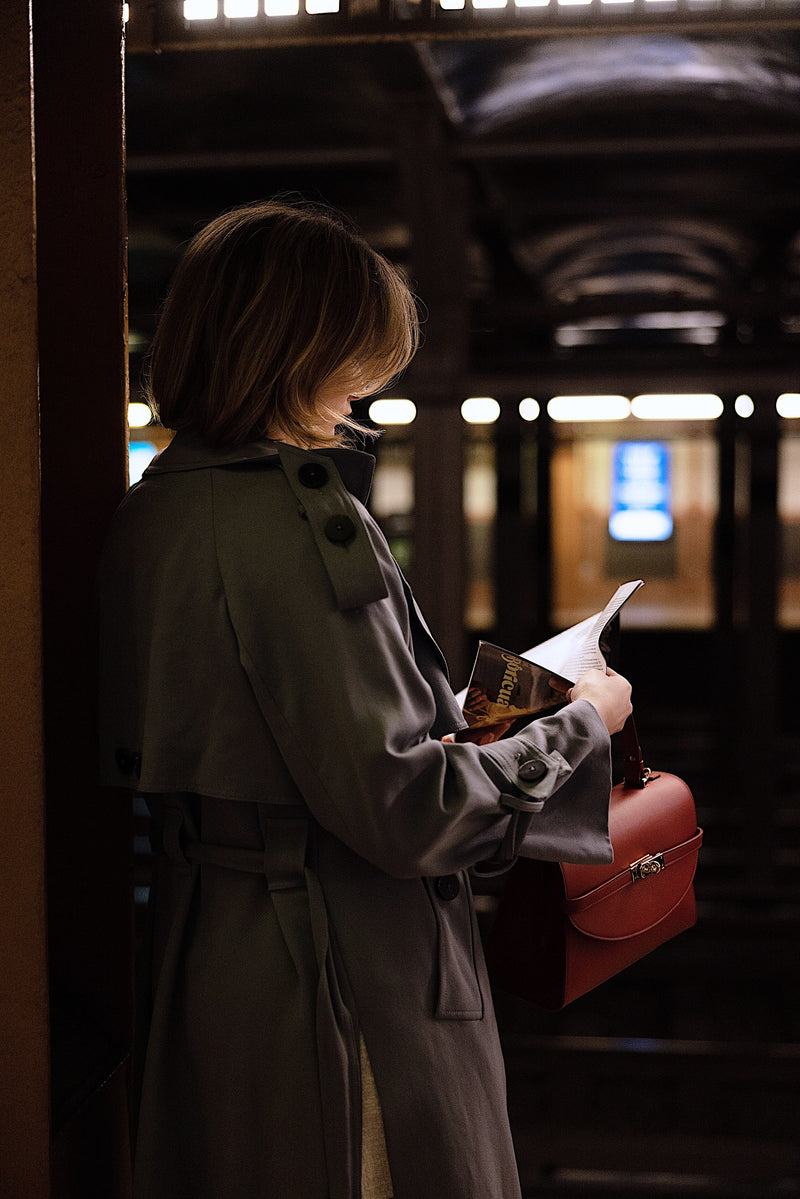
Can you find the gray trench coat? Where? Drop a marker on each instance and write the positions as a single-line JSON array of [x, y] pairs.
[[268, 683]]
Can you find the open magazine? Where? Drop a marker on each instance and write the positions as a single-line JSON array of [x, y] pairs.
[[506, 691]]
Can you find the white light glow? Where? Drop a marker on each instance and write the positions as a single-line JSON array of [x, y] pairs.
[[568, 3], [529, 408], [586, 408], [392, 412], [451, 3], [677, 407], [531, 3], [480, 410], [788, 405], [640, 524], [240, 8], [126, 13], [488, 3], [319, 6], [743, 406], [281, 8], [139, 415], [200, 10]]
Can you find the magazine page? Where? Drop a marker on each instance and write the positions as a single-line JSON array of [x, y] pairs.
[[506, 690], [579, 648]]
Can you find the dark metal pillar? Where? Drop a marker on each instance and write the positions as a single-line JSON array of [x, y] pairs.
[[78, 88], [24, 1031], [436, 201], [755, 743]]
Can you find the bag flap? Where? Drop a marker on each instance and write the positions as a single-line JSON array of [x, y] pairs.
[[656, 842]]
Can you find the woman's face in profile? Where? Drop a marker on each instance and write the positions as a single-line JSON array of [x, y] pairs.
[[334, 398]]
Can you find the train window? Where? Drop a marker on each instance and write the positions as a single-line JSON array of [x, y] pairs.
[[628, 504], [392, 497], [480, 510], [789, 515]]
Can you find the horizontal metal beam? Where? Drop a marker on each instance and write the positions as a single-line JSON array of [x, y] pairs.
[[245, 160], [634, 147], [633, 372], [495, 151]]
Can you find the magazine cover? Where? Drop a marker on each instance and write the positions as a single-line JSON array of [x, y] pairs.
[[506, 692]]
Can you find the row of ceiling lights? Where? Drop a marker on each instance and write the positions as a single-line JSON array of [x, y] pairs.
[[485, 410], [209, 10]]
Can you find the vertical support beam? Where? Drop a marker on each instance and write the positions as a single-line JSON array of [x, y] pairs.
[[436, 200], [758, 700], [543, 554], [24, 1036], [78, 78], [724, 569], [510, 549]]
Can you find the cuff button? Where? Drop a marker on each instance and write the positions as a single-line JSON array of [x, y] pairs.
[[532, 770]]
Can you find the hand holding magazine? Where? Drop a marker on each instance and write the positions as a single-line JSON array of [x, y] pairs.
[[506, 691]]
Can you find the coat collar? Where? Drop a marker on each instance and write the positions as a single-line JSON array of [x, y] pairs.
[[187, 451]]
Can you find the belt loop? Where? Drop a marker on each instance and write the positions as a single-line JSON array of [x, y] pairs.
[[285, 840]]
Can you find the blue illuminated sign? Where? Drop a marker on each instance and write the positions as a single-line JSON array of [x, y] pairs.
[[641, 499], [140, 455]]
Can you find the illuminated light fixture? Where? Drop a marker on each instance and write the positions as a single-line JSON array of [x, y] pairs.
[[480, 410], [489, 3], [319, 6], [788, 405], [451, 3], [744, 406], [529, 408], [139, 415], [677, 407], [616, 1], [240, 8], [587, 408], [392, 412], [531, 3], [126, 13], [281, 8], [200, 10], [568, 3]]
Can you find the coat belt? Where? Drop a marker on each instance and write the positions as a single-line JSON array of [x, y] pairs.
[[282, 860]]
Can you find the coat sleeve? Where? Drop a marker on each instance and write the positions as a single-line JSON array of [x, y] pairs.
[[334, 675]]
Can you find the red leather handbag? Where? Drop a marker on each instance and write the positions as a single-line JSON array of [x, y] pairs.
[[561, 929]]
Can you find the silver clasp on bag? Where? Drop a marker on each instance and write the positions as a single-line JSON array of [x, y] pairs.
[[652, 864]]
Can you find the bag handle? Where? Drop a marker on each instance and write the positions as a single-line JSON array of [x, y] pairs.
[[636, 773]]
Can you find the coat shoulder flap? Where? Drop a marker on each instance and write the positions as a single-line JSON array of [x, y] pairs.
[[336, 525]]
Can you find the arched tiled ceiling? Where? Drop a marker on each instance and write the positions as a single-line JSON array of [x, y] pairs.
[[687, 259], [628, 191], [630, 176], [495, 85]]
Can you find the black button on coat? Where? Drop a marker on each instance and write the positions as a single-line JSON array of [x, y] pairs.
[[285, 703]]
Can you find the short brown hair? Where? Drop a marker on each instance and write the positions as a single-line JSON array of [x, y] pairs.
[[268, 303]]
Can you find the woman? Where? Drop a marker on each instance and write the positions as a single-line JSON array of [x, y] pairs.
[[321, 1020]]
